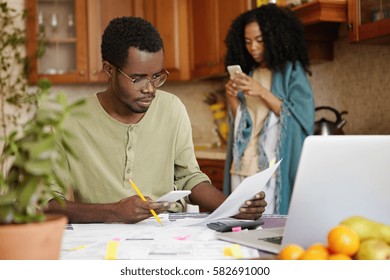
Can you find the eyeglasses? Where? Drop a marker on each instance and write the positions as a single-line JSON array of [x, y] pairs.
[[141, 83]]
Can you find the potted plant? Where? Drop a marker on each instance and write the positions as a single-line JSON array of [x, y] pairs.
[[31, 124]]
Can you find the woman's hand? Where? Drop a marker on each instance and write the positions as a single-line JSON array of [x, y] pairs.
[[246, 84], [254, 208], [231, 90], [231, 96]]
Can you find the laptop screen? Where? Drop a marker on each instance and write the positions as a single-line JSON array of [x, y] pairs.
[[338, 177]]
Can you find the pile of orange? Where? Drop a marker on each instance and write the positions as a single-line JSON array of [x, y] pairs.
[[343, 243]]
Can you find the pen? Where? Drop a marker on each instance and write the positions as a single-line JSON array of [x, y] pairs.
[[143, 198]]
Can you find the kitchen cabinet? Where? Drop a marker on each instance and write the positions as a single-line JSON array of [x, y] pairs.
[[60, 28], [99, 14], [321, 20], [171, 18], [369, 20], [193, 32], [71, 31], [214, 169], [210, 23]]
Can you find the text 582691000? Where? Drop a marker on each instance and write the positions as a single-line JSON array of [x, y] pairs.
[[239, 270]]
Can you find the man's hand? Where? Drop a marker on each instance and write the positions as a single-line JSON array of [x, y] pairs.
[[254, 208], [128, 210], [133, 209]]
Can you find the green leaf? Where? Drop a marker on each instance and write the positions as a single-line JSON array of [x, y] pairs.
[[13, 176], [44, 84], [28, 191], [38, 167], [41, 149], [8, 198], [62, 99]]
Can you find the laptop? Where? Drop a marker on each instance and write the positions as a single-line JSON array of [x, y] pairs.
[[337, 177]]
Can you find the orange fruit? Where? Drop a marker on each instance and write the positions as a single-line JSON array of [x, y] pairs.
[[316, 251], [321, 248], [291, 252], [339, 256], [342, 239]]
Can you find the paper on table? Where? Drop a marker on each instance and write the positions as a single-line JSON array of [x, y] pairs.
[[246, 190]]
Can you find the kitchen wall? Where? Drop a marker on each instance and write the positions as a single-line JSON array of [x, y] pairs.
[[358, 81]]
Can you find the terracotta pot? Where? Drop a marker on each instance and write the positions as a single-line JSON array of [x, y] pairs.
[[34, 241]]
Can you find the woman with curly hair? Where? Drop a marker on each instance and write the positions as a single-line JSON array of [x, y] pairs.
[[271, 104]]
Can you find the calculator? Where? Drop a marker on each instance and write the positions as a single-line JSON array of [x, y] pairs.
[[224, 226]]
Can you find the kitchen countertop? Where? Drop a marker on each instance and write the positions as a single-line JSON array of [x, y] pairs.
[[202, 152]]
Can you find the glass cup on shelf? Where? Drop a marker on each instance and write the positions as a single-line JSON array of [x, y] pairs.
[[41, 24], [41, 20], [71, 27], [54, 23]]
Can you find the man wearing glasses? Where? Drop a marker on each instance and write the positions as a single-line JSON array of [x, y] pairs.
[[132, 131]]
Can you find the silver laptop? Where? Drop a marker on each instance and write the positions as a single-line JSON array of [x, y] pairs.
[[337, 177]]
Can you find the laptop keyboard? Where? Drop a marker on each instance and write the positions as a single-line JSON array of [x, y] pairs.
[[275, 240]]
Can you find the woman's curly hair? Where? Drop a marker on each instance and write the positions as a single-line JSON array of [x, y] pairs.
[[125, 32], [282, 34]]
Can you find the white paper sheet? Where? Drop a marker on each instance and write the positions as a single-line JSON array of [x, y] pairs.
[[245, 191]]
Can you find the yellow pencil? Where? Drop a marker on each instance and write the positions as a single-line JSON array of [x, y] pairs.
[[143, 198]]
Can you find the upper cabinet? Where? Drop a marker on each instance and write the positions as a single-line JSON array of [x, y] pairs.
[[210, 21], [58, 30], [70, 32], [318, 11], [369, 20], [194, 32], [321, 20], [171, 18], [99, 14]]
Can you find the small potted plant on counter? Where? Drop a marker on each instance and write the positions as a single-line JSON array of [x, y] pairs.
[[31, 125]]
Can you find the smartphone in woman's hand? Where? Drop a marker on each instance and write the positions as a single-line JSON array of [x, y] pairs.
[[234, 69]]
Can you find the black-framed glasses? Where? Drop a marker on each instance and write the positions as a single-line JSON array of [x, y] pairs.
[[141, 83]]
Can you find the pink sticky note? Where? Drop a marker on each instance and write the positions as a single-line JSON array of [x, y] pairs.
[[235, 229], [182, 237]]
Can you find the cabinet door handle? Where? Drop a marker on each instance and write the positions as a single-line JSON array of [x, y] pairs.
[[82, 72]]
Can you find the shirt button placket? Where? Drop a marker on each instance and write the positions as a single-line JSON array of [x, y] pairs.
[[129, 153]]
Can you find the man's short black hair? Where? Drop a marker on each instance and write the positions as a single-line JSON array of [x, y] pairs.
[[125, 32]]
